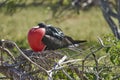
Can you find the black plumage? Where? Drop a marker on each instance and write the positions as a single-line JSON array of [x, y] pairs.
[[55, 38]]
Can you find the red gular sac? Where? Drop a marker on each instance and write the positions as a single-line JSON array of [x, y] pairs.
[[35, 36]]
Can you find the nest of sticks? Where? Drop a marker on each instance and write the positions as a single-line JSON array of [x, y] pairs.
[[73, 62]]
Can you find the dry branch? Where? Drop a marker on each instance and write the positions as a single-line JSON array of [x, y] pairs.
[[108, 13], [34, 65]]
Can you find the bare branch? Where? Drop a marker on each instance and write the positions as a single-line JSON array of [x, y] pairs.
[[8, 53], [70, 78], [108, 13], [26, 57]]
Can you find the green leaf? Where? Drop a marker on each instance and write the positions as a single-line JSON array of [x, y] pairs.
[[107, 50]]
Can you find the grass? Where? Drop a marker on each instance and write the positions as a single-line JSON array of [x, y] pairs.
[[88, 25]]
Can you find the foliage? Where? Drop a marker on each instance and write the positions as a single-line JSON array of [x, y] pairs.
[[10, 6], [114, 49], [56, 6]]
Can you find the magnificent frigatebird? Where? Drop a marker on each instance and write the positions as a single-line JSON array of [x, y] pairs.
[[47, 37]]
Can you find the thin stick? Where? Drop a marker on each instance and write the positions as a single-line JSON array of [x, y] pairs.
[[27, 56], [8, 53]]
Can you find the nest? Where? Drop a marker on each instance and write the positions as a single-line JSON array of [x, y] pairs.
[[32, 65], [69, 63]]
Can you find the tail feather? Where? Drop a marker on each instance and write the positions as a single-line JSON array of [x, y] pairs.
[[75, 41]]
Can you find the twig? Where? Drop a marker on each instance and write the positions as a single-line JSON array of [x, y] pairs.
[[3, 78], [96, 62], [71, 61], [26, 57], [107, 13], [118, 10], [116, 77], [102, 58], [50, 72], [57, 65], [70, 78], [91, 53], [8, 53], [1, 57]]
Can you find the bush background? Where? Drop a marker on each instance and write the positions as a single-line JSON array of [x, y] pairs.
[[84, 26]]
